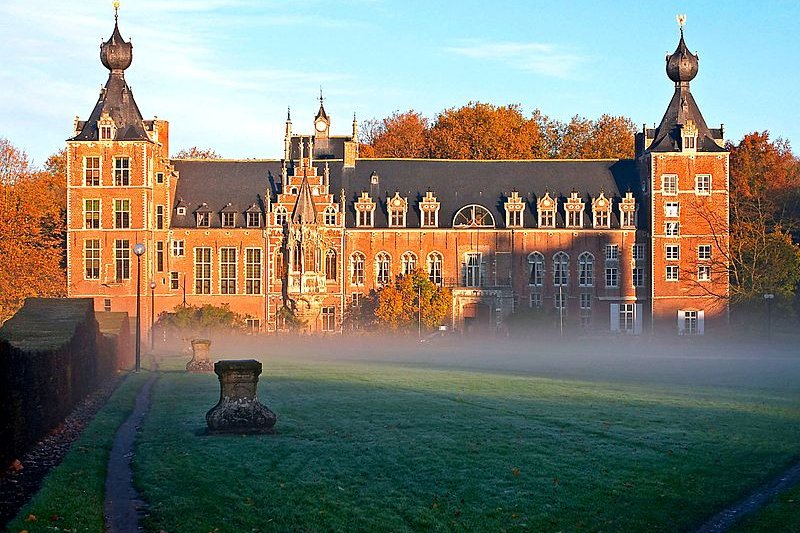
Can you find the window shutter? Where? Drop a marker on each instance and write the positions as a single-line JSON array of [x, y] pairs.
[[701, 315], [615, 317], [681, 322], [637, 319]]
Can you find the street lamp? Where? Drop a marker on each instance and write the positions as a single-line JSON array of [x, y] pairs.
[[769, 297], [139, 250], [152, 314]]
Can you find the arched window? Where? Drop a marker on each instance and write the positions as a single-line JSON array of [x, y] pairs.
[[329, 216], [409, 263], [586, 270], [560, 268], [473, 216], [280, 215], [280, 265], [330, 265], [435, 267], [357, 261], [383, 268], [536, 269], [297, 258]]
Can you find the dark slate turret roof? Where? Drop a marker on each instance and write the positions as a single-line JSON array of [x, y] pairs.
[[488, 183], [217, 182], [682, 67], [116, 98]]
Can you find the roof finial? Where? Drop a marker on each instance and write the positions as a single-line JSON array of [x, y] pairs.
[[116, 10], [288, 113], [681, 21], [320, 95]]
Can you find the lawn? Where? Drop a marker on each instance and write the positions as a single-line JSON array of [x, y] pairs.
[[365, 446]]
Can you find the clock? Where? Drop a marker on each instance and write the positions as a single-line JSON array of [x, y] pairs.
[[321, 126]]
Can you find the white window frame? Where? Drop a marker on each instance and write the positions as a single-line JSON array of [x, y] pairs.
[[672, 252], [119, 209], [704, 252], [560, 269], [435, 267], [358, 262], [228, 270], [178, 249], [612, 252], [252, 270], [96, 172], [383, 268], [586, 270], [612, 277], [702, 184], [672, 209], [672, 229], [535, 269], [472, 269], [703, 272], [96, 215], [408, 263], [122, 172], [92, 256], [203, 261], [669, 184], [672, 273]]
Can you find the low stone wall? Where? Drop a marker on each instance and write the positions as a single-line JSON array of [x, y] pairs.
[[116, 335], [52, 355]]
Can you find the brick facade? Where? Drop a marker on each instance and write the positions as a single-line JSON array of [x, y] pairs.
[[294, 231]]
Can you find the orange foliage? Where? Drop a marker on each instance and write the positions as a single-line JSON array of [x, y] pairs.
[[400, 304], [608, 137], [485, 131], [197, 153], [400, 135], [32, 228]]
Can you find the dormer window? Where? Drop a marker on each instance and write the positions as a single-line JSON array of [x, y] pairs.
[[365, 210], [228, 220], [105, 127], [574, 208], [203, 215], [397, 211], [429, 209], [601, 209], [546, 207], [374, 178], [253, 216], [689, 136], [514, 209], [181, 211], [627, 211]]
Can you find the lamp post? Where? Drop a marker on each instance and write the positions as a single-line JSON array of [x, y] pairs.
[[769, 297], [152, 315], [139, 250], [560, 311], [419, 312]]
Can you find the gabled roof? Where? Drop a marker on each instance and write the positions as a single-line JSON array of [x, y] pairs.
[[304, 211]]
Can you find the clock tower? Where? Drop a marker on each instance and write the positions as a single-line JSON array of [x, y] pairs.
[[322, 122]]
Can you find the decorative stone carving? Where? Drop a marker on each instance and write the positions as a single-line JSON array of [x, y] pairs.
[[200, 357], [238, 410]]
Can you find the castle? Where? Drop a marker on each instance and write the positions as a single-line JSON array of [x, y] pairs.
[[629, 246]]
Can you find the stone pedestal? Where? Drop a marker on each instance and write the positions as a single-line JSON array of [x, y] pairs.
[[200, 357], [239, 410]]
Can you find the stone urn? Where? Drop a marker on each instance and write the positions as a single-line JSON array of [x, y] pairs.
[[238, 410], [200, 362]]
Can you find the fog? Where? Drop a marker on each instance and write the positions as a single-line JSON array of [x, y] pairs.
[[690, 362]]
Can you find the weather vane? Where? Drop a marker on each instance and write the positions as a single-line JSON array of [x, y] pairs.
[[681, 21], [116, 8]]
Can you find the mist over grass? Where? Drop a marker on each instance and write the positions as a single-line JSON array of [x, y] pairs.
[[389, 434]]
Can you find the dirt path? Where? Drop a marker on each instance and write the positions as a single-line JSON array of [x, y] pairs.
[[725, 519], [122, 501]]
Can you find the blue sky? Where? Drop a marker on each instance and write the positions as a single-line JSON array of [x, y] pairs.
[[223, 72]]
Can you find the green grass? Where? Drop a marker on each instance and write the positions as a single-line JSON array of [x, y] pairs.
[[365, 447], [72, 495], [782, 515]]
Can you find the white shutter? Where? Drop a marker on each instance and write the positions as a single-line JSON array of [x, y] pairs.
[[637, 319], [615, 317], [701, 315], [681, 322]]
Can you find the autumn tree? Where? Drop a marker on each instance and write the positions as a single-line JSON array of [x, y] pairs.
[[607, 137], [399, 135], [193, 320], [410, 300], [485, 131], [197, 153], [32, 228]]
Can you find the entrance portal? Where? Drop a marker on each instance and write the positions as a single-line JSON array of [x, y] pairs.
[[476, 319]]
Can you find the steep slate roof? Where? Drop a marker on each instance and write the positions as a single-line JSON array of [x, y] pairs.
[[454, 183], [217, 182], [304, 211], [116, 98], [488, 183], [682, 67]]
